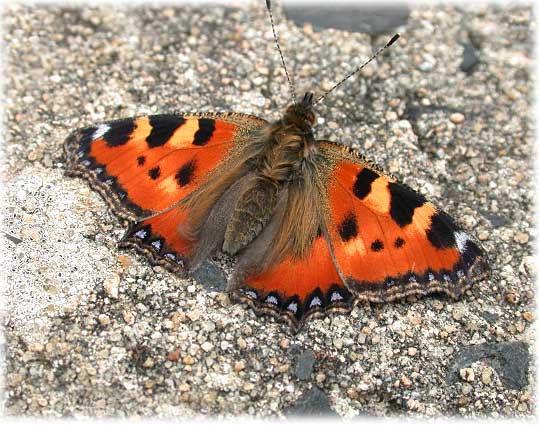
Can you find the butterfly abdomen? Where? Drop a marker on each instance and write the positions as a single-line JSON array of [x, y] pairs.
[[252, 212]]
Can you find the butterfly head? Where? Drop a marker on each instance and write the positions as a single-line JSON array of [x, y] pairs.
[[301, 113]]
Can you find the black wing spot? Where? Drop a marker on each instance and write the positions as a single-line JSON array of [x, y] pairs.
[[348, 228], [154, 173], [163, 127], [377, 245], [206, 127], [403, 203], [119, 132], [399, 242], [185, 174], [362, 185], [442, 231]]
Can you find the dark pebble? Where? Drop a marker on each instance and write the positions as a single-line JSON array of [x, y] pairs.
[[210, 277], [304, 365], [511, 360], [496, 220], [314, 402], [489, 317], [469, 59]]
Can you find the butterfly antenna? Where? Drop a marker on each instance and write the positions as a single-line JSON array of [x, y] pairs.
[[389, 43], [291, 85]]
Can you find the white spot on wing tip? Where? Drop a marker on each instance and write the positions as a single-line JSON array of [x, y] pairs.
[[461, 238], [100, 131]]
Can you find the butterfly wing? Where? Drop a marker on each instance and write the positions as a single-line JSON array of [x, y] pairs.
[[144, 166], [380, 241], [298, 289], [388, 240]]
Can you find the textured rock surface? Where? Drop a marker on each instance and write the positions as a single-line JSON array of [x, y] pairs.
[[94, 331], [510, 360]]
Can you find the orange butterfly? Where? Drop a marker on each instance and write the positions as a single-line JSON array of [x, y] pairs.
[[314, 225]]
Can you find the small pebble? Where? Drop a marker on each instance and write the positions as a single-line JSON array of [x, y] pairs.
[[194, 315], [456, 118], [406, 382], [188, 360], [174, 356], [36, 347], [528, 316], [184, 387], [103, 319], [248, 386], [111, 286], [467, 374], [511, 297], [521, 237], [486, 375], [207, 346], [149, 363], [242, 344]]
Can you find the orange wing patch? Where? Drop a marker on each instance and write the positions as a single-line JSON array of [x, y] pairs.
[[389, 241], [298, 288], [144, 166], [159, 160]]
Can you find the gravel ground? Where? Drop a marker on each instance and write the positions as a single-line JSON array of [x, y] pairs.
[[92, 331]]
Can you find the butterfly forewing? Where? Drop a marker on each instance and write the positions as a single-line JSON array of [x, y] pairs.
[[145, 166], [389, 241]]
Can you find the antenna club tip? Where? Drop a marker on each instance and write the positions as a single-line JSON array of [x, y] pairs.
[[393, 39], [268, 4]]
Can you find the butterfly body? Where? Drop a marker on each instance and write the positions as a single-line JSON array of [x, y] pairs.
[[279, 155]]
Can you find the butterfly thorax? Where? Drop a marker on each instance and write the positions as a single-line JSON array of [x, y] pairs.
[[288, 143], [286, 146]]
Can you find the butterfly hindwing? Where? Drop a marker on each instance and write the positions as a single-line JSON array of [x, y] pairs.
[[297, 289], [389, 241], [144, 166]]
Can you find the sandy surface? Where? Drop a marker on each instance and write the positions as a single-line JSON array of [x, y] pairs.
[[94, 331]]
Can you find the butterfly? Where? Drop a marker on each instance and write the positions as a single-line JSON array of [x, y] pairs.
[[313, 226]]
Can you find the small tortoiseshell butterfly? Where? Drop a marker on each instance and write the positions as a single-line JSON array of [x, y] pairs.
[[314, 225]]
